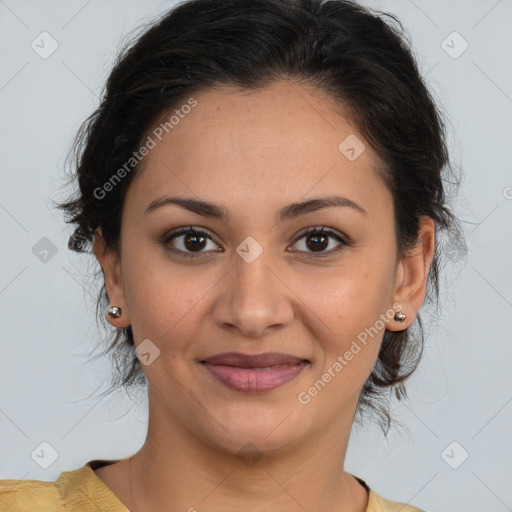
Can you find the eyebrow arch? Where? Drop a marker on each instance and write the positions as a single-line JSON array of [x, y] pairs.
[[216, 211]]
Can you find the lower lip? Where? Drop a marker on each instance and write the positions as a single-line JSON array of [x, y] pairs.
[[254, 379]]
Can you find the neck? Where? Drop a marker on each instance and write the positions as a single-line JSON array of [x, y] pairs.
[[190, 474]]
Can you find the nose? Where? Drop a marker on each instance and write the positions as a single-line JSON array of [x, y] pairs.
[[254, 298]]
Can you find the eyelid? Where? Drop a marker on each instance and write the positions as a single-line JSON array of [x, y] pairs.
[[323, 229], [342, 239], [186, 229], [183, 231]]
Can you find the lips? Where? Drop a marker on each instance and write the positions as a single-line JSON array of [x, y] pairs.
[[254, 373], [254, 361]]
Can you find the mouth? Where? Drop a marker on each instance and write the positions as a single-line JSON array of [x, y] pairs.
[[254, 373]]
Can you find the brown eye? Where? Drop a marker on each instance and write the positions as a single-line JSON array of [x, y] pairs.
[[319, 239], [317, 242], [188, 241], [194, 241]]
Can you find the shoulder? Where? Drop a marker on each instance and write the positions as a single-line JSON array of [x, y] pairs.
[[376, 503], [80, 489], [29, 496]]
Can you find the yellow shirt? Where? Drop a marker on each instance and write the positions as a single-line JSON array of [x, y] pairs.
[[83, 491]]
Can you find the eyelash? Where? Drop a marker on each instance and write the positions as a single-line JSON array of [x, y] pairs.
[[310, 231]]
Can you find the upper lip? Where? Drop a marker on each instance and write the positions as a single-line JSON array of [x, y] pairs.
[[253, 360]]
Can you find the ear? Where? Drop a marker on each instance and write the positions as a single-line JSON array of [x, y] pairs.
[[111, 265], [412, 276]]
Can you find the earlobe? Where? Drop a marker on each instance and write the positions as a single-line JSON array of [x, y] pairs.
[[412, 275], [117, 313]]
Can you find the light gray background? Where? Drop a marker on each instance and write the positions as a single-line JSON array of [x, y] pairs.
[[462, 391]]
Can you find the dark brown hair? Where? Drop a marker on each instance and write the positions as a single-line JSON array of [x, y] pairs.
[[361, 57]]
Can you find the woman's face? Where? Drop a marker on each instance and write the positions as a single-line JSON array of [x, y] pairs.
[[252, 282]]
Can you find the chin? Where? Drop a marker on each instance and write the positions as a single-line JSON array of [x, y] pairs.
[[253, 435], [245, 445]]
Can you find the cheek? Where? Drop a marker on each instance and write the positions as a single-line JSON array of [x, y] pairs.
[[349, 305], [161, 296], [349, 316], [351, 296]]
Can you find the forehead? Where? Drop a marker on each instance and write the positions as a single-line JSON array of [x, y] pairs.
[[266, 147]]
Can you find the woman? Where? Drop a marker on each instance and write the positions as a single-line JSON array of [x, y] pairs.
[[262, 185]]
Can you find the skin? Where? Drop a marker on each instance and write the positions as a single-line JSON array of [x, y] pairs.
[[253, 153]]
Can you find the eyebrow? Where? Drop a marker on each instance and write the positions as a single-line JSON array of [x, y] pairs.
[[217, 211]]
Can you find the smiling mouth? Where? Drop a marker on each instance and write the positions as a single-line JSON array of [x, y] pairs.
[[254, 373]]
